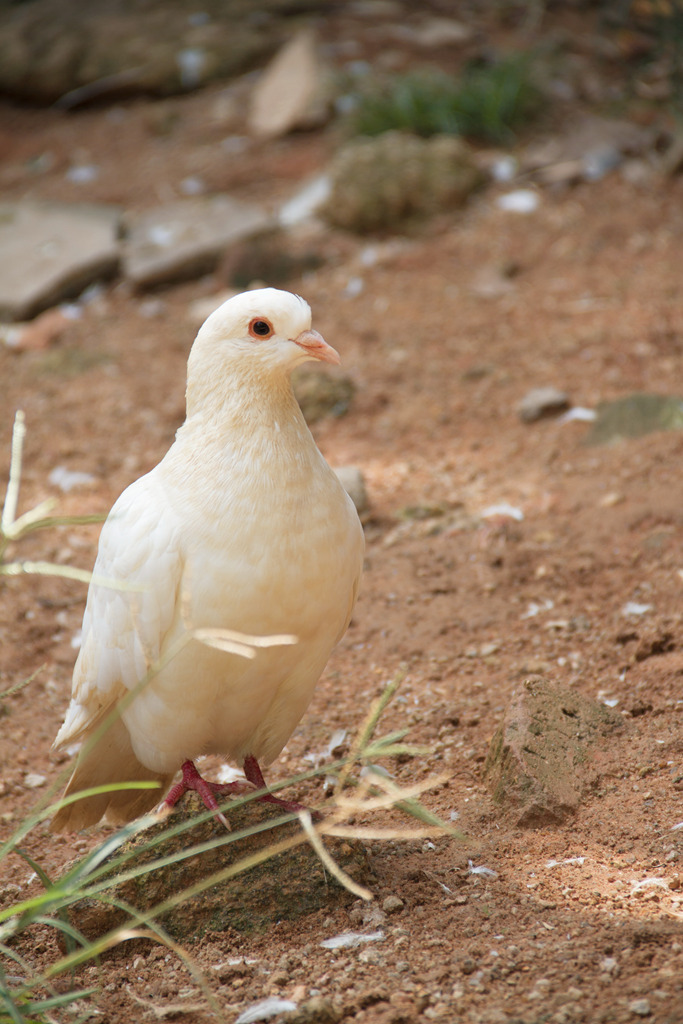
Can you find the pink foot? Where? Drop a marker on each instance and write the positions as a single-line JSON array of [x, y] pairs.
[[207, 790], [252, 770]]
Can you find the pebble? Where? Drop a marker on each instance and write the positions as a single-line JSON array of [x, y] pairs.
[[352, 480], [34, 781], [640, 1007], [540, 402], [522, 200], [392, 904]]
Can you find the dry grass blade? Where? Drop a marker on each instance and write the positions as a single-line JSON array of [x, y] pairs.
[[329, 861], [368, 727]]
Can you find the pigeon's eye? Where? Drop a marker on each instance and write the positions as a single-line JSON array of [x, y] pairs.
[[260, 328]]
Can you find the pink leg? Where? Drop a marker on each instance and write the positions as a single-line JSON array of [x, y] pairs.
[[252, 770], [207, 790]]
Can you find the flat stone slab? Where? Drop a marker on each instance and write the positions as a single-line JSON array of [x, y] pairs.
[[52, 251], [185, 239], [544, 755], [291, 92]]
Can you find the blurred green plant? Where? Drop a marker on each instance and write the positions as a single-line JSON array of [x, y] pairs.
[[487, 102]]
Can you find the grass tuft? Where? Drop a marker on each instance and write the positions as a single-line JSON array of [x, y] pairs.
[[487, 102]]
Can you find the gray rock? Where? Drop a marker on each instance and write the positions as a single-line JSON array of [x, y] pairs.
[[541, 402], [185, 239], [392, 904], [292, 92], [538, 765], [52, 251], [634, 416], [382, 183], [641, 1007], [353, 482]]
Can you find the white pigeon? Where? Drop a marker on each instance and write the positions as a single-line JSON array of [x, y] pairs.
[[242, 526]]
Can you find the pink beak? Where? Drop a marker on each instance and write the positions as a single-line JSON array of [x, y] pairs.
[[316, 347]]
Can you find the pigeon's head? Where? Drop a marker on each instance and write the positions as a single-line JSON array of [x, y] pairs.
[[259, 331]]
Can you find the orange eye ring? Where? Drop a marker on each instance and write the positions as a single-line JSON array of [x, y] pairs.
[[260, 328]]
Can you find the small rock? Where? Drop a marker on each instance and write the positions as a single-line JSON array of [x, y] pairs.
[[34, 781], [185, 239], [541, 402], [317, 1010], [599, 161], [537, 763], [52, 251], [522, 200], [392, 904], [292, 91], [38, 334], [640, 1007], [353, 482]]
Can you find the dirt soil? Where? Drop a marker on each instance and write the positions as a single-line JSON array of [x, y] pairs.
[[581, 921]]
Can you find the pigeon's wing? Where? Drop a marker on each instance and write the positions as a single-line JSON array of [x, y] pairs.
[[132, 602]]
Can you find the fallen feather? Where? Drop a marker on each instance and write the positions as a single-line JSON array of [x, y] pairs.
[[534, 608], [336, 740], [227, 773], [374, 769], [265, 1009], [675, 828], [647, 883], [83, 174], [354, 287], [504, 509], [67, 479], [522, 200], [480, 870], [349, 940], [633, 608], [568, 860], [578, 413]]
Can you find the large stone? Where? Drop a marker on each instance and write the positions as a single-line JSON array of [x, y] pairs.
[[635, 416], [286, 886], [68, 51], [383, 183], [292, 91], [51, 251], [184, 239], [544, 756]]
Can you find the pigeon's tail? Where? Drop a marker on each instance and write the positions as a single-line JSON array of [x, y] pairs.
[[110, 760]]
